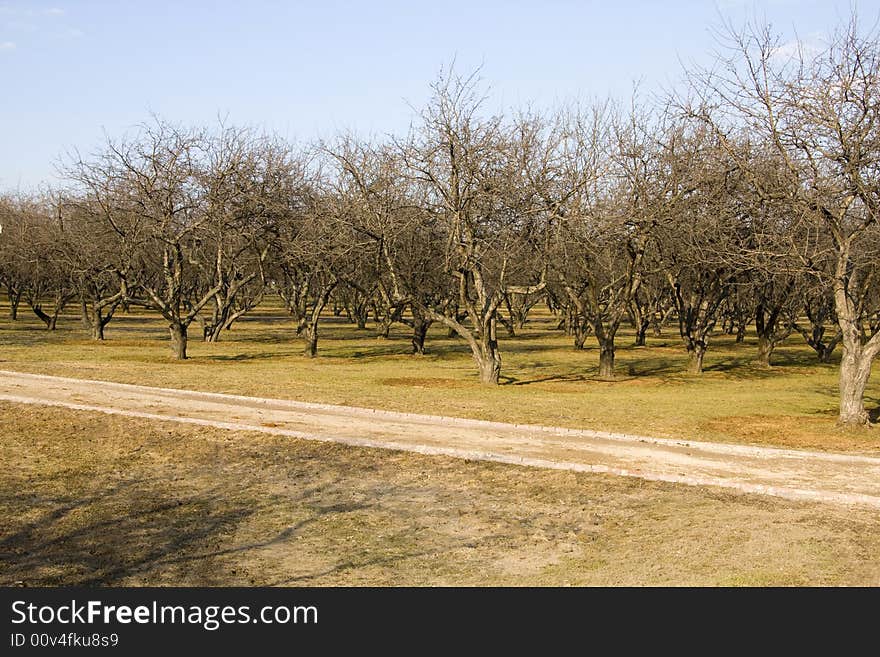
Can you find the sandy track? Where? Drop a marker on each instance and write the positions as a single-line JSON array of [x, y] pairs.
[[792, 474]]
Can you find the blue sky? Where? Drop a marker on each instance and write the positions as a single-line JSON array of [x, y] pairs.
[[71, 70]]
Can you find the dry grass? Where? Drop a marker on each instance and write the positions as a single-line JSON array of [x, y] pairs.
[[792, 404], [91, 499]]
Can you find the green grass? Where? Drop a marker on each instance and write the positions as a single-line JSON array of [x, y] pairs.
[[543, 379]]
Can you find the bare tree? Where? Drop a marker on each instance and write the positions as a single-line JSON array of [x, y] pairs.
[[817, 304], [149, 191], [248, 180], [315, 248], [12, 236], [99, 261], [821, 115], [371, 184], [473, 181], [33, 244], [700, 228], [590, 245]]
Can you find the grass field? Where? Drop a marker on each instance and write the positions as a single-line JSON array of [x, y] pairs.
[[93, 499], [792, 404], [104, 500]]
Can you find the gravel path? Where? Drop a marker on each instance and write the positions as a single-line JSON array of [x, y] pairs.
[[792, 474]]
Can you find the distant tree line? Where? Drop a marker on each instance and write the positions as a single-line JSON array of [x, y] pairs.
[[750, 199]]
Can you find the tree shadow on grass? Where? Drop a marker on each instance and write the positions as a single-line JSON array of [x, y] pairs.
[[131, 529], [118, 531], [141, 529], [793, 358], [354, 563], [283, 536], [284, 335], [263, 355], [740, 369], [400, 349], [554, 378]]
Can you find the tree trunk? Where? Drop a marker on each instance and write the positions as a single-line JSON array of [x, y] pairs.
[[605, 336], [508, 325], [606, 359], [93, 318], [14, 300], [483, 342], [580, 328], [765, 350], [857, 357], [384, 328], [696, 352], [815, 337], [84, 315], [178, 340], [489, 357], [386, 321], [855, 369], [59, 302], [740, 332], [490, 367], [420, 331], [452, 333], [311, 328], [571, 321], [824, 352], [49, 320], [640, 322], [311, 331], [311, 348], [213, 329], [642, 333]]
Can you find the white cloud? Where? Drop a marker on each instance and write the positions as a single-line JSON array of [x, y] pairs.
[[796, 48], [26, 24]]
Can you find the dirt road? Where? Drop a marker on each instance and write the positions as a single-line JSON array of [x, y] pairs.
[[792, 474]]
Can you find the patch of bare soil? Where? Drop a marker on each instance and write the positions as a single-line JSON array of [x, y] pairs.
[[792, 474]]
